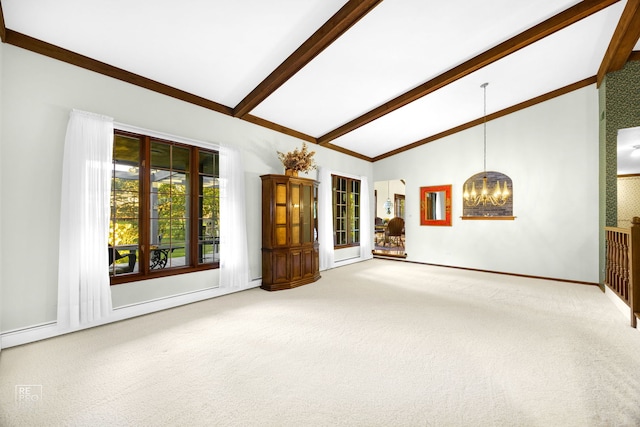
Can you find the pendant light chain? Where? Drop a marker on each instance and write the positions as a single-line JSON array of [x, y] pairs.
[[484, 86], [498, 196]]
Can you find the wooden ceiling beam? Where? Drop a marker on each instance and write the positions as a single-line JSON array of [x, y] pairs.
[[340, 22], [3, 28], [556, 23], [624, 39]]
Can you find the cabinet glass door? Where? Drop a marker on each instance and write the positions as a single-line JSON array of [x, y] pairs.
[[295, 214], [281, 215], [306, 214]]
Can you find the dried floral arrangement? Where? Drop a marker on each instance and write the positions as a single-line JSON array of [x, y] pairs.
[[298, 160]]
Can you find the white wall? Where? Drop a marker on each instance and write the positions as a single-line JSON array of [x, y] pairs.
[[37, 96], [550, 151]]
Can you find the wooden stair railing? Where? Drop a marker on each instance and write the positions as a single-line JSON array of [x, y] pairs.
[[622, 270]]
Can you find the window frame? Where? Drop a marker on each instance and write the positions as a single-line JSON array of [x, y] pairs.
[[144, 214], [399, 205], [350, 231]]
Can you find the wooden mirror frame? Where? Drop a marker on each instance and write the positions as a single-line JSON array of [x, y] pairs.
[[423, 211]]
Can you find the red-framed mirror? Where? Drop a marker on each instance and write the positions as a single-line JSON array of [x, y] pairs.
[[435, 205]]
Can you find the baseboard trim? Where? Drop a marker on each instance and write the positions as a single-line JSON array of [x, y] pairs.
[[347, 261], [48, 330], [30, 334], [579, 282]]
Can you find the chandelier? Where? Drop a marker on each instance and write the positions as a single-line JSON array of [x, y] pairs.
[[498, 196]]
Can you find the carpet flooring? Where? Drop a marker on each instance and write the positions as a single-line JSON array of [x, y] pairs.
[[377, 343]]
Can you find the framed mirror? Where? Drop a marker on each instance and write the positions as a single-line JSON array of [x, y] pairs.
[[435, 205]]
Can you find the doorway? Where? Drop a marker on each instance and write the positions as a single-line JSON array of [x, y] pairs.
[[628, 180], [389, 229]]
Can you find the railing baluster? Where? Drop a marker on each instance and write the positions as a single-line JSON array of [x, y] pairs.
[[634, 269], [622, 264], [616, 266]]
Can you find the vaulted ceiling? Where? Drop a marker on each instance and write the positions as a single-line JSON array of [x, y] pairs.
[[369, 78]]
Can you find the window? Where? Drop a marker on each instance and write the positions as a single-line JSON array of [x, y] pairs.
[[164, 208], [346, 211], [398, 203]]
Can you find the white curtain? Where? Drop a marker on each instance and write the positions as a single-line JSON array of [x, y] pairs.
[[366, 227], [325, 218], [234, 253], [84, 295]]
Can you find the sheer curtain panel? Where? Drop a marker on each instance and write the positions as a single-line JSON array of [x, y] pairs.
[[234, 252], [366, 229], [84, 295], [325, 219]]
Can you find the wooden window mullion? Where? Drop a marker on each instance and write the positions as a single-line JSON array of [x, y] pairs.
[[194, 214], [145, 205]]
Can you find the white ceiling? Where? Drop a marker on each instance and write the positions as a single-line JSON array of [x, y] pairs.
[[221, 50]]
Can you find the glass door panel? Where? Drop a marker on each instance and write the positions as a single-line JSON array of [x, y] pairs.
[[295, 214], [306, 211]]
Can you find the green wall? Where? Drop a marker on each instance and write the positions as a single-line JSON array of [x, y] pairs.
[[619, 109], [621, 94]]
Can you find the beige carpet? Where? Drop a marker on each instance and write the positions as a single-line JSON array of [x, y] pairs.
[[379, 343]]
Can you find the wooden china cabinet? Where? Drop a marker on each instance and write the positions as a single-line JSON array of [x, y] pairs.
[[290, 254]]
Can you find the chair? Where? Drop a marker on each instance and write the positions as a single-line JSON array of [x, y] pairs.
[[114, 255], [395, 231]]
